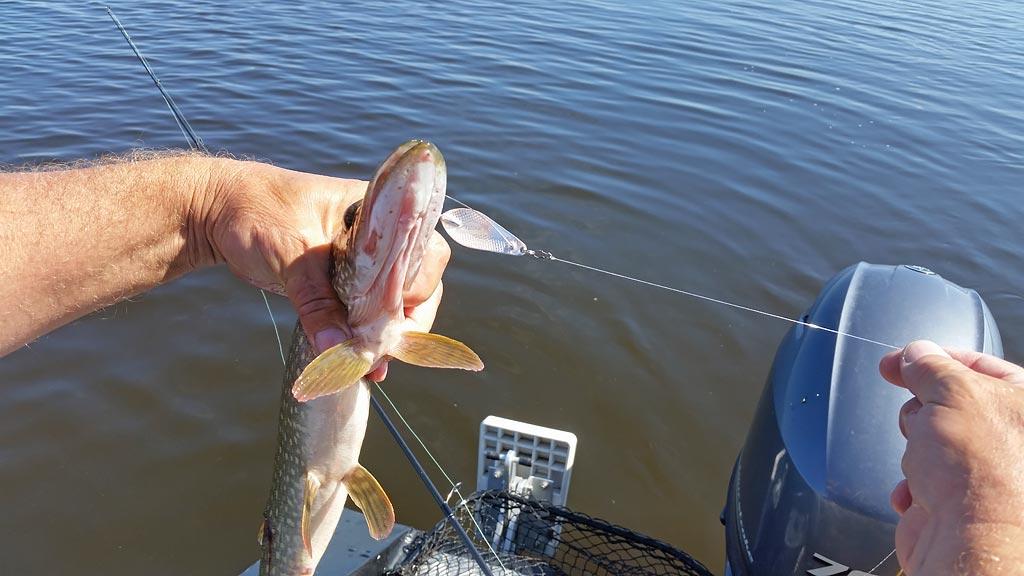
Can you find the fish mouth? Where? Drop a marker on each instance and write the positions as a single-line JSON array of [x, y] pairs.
[[385, 246]]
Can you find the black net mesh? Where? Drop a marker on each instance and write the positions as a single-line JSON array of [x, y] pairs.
[[532, 538]]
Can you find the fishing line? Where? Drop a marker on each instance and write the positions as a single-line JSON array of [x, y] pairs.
[[879, 565], [197, 144], [548, 256], [474, 229], [457, 201], [273, 322], [194, 142]]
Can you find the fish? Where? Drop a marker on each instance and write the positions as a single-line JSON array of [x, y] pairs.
[[325, 398]]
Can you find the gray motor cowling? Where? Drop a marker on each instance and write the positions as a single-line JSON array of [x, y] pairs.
[[809, 493]]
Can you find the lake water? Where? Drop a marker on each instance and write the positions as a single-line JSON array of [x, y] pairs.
[[744, 150]]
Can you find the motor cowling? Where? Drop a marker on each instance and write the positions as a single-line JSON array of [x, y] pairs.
[[809, 492]]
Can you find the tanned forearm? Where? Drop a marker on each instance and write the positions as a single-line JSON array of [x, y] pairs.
[[74, 241]]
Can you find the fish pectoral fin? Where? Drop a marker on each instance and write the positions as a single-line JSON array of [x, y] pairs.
[[336, 369], [435, 351], [372, 500], [312, 487]]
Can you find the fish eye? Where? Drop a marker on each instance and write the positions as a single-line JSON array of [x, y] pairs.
[[351, 212]]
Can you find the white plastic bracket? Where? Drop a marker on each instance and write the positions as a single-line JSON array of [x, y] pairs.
[[526, 459]]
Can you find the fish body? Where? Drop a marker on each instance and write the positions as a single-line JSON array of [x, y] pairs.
[[325, 399]]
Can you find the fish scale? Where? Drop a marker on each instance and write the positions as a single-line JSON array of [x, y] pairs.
[[292, 460], [282, 529]]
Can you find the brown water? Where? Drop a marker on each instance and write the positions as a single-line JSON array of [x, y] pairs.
[[740, 150]]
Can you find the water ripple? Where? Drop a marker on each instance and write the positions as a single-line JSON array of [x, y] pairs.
[[740, 149]]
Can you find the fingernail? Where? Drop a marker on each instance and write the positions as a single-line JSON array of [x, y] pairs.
[[921, 348], [328, 337]]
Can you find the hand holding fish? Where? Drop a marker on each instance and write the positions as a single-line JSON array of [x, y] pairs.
[[274, 228], [962, 505]]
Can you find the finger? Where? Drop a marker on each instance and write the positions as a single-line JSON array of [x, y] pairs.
[[988, 365], [422, 316], [889, 367], [929, 372], [900, 499], [921, 348], [435, 259], [907, 411], [309, 289]]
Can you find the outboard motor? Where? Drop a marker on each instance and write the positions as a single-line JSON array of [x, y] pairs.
[[809, 493]]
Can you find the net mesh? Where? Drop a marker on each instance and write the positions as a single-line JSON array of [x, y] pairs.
[[533, 538], [475, 230]]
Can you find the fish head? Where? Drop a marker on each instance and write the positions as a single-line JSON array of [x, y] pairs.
[[379, 257]]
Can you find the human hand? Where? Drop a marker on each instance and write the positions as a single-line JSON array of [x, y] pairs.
[[273, 227], [962, 504]]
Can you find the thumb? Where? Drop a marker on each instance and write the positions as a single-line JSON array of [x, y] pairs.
[[929, 372], [308, 286]]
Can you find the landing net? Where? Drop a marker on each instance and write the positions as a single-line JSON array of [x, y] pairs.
[[534, 539]]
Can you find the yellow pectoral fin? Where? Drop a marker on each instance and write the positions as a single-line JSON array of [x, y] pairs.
[[312, 486], [436, 351], [371, 499], [337, 368]]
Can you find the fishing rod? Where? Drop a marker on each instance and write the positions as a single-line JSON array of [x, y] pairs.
[[196, 143], [449, 515]]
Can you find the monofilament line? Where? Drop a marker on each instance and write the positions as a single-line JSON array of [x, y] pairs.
[[474, 229], [884, 560], [720, 301], [457, 201]]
